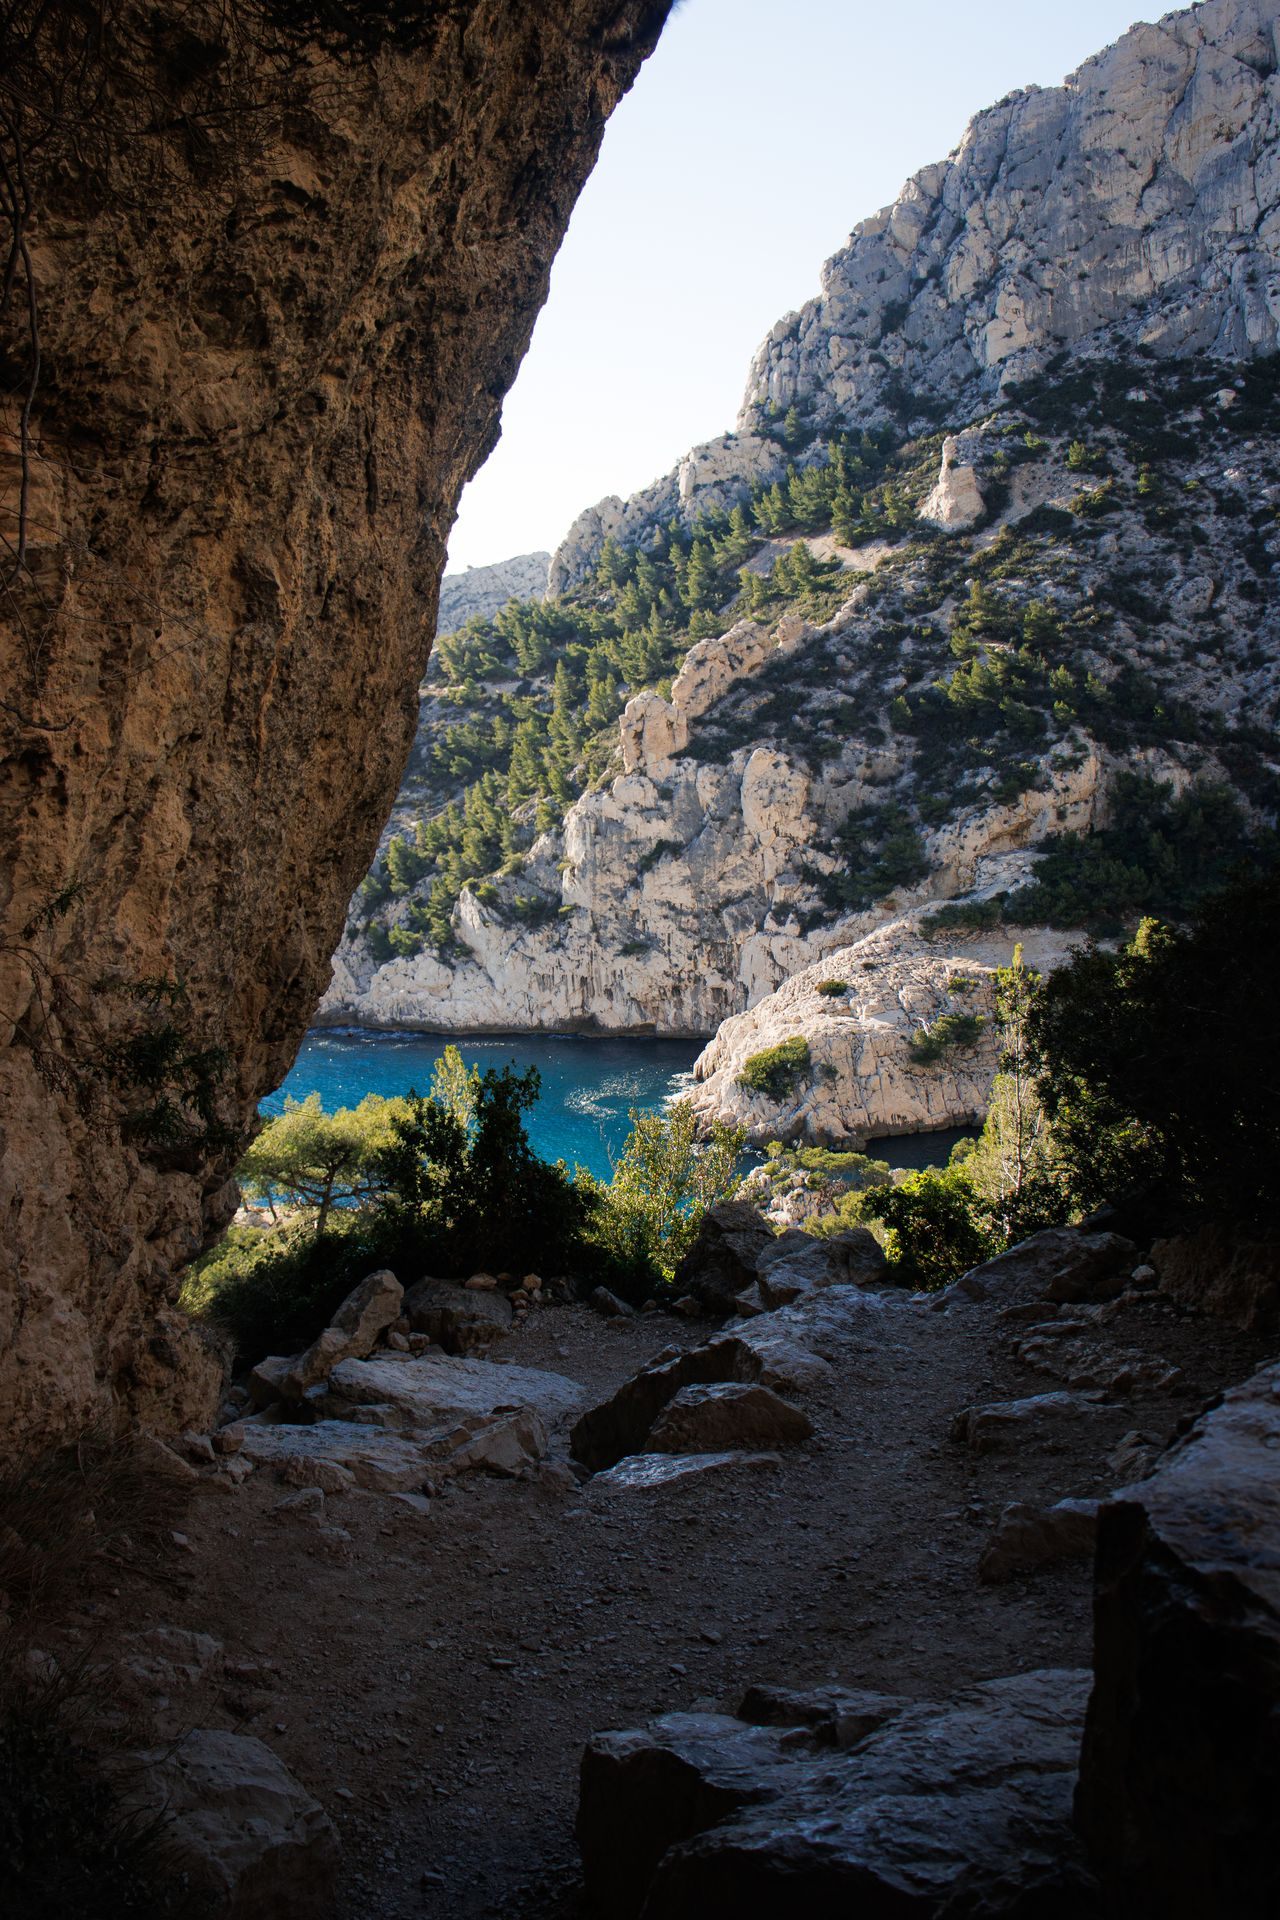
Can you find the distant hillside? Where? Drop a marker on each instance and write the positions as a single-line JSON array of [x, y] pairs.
[[479, 592], [961, 616]]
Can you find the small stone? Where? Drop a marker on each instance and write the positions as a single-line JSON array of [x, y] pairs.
[[532, 1282], [306, 1501], [482, 1283], [399, 1342], [198, 1446], [228, 1439], [609, 1304]]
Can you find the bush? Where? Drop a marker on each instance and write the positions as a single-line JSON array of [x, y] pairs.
[[948, 1032], [935, 1226], [775, 1071], [1157, 1064], [833, 988], [644, 1222], [274, 1291], [459, 1197], [455, 1186]]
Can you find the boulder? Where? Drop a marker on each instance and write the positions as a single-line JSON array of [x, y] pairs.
[[959, 1809], [1044, 1420], [723, 1258], [251, 1843], [956, 501], [367, 1312], [607, 1303], [1060, 1264], [459, 1319], [797, 1262], [1222, 1273], [1180, 1769], [507, 1445], [711, 1419], [790, 1351], [1027, 1537], [267, 1380]]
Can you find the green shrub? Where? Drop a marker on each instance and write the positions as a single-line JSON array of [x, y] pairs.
[[775, 1071], [948, 1032], [645, 1220], [1156, 1064], [833, 988], [935, 1226]]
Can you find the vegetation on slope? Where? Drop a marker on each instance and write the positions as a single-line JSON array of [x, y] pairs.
[[1140, 1078], [981, 668]]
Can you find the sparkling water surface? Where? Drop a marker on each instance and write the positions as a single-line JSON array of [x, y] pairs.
[[588, 1086]]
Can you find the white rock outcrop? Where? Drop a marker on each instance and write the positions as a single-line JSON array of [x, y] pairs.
[[860, 1081], [956, 502], [1136, 206]]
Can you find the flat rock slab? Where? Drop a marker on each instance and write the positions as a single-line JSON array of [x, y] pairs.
[[381, 1461], [664, 1469], [958, 1809], [434, 1389], [1045, 1420]]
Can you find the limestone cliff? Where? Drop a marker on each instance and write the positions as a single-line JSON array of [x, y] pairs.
[[282, 279], [477, 593], [1135, 206], [984, 576]]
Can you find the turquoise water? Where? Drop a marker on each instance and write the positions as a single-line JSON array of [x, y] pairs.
[[587, 1085]]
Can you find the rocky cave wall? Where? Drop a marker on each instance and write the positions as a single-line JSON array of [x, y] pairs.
[[282, 288]]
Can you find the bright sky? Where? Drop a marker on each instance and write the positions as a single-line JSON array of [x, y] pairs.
[[753, 140]]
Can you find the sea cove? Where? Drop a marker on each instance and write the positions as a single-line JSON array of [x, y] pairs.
[[588, 1085]]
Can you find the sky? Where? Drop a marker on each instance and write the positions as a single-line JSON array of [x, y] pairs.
[[754, 139]]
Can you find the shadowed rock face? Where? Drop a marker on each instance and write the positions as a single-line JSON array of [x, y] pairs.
[[1180, 1769], [274, 349]]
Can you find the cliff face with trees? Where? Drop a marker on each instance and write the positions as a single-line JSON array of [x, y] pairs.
[[974, 608], [270, 270]]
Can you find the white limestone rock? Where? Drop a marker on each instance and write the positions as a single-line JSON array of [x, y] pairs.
[[956, 502], [861, 1081], [480, 592]]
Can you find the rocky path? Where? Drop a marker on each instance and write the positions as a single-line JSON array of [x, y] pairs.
[[432, 1675]]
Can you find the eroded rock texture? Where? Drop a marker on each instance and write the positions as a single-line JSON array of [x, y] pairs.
[[281, 291]]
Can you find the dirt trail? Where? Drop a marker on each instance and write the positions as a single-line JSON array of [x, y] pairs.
[[434, 1677]]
